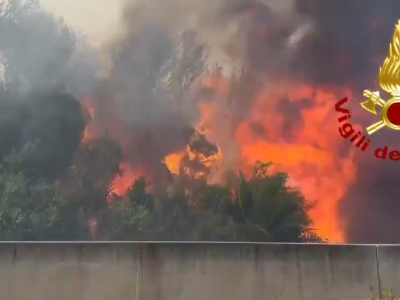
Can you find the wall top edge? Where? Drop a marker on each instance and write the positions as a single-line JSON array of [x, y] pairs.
[[194, 243]]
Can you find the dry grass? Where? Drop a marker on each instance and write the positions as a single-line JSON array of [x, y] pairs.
[[387, 294]]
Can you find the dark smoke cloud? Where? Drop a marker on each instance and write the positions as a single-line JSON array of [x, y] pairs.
[[142, 102], [347, 39]]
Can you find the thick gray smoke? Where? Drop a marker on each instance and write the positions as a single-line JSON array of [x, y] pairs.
[[159, 57], [36, 50], [138, 111]]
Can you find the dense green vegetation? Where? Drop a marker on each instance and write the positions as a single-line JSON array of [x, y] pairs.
[[53, 186]]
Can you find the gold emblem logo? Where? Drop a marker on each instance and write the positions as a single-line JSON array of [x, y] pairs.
[[389, 81]]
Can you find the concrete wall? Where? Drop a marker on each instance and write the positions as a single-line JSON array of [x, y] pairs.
[[194, 271]]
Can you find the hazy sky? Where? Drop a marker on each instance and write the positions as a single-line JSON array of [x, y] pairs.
[[96, 18]]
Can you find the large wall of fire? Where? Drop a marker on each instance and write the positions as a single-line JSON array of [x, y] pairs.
[[282, 67]]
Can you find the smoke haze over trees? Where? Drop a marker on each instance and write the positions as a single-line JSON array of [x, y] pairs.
[[166, 138]]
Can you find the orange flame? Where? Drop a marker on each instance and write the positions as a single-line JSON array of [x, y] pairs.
[[173, 161], [310, 156], [124, 181]]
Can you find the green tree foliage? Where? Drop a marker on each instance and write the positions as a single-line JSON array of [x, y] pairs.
[[164, 216], [214, 213], [31, 208], [130, 217], [272, 210], [90, 178], [29, 211], [262, 209]]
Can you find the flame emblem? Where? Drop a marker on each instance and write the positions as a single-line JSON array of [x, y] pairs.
[[389, 81]]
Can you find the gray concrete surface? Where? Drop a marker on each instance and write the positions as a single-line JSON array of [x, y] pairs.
[[195, 271]]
